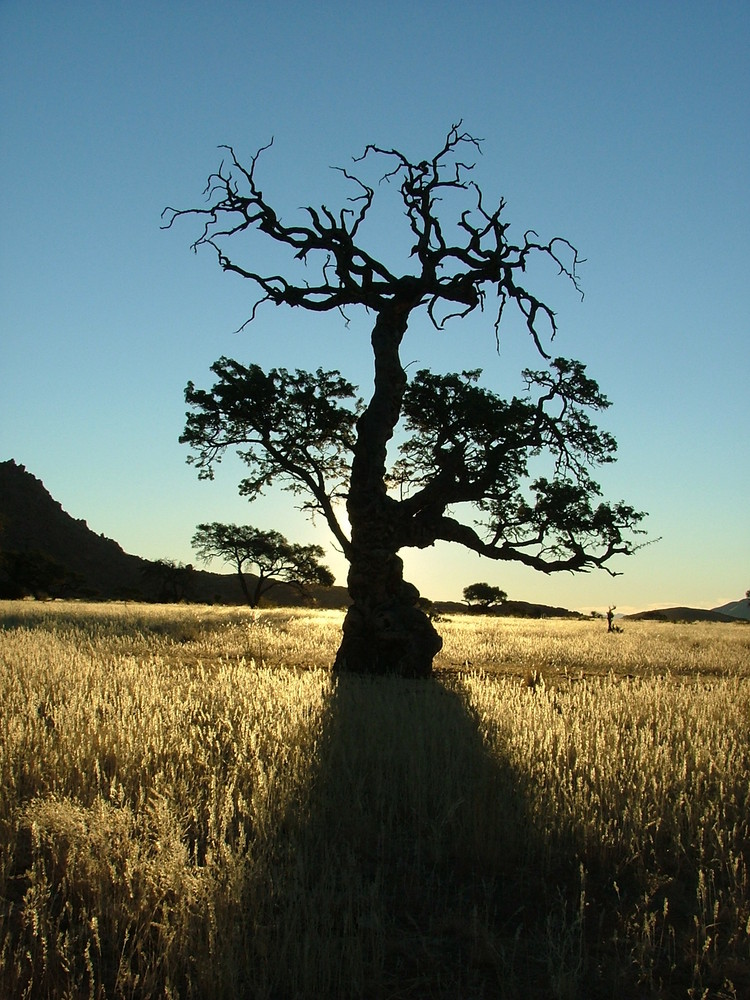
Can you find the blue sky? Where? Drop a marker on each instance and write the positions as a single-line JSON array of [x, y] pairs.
[[621, 127]]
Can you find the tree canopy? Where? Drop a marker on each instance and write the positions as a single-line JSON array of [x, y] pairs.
[[469, 469], [484, 595], [172, 580], [467, 446], [276, 560]]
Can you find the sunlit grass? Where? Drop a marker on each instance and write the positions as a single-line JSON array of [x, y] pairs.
[[558, 647], [190, 806]]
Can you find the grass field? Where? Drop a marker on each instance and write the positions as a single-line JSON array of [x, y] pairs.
[[190, 806]]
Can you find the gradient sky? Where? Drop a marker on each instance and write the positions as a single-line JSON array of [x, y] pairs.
[[623, 127]]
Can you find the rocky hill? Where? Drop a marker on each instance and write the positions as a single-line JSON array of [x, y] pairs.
[[736, 609], [46, 552], [41, 543], [509, 609], [682, 615]]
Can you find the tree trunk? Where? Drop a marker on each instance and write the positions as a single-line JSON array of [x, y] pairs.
[[384, 631], [243, 585], [258, 590]]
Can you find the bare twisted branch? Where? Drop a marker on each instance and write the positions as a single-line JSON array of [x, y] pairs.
[[452, 275]]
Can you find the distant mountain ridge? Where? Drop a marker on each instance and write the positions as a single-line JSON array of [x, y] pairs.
[[736, 609], [509, 609], [74, 561], [33, 524], [684, 615]]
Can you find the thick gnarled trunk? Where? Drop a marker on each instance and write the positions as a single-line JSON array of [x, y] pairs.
[[384, 631]]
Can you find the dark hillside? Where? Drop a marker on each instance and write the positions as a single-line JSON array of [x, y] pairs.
[[682, 615], [46, 552], [509, 609], [736, 609], [36, 530]]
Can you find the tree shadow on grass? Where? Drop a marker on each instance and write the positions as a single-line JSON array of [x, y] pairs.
[[414, 862]]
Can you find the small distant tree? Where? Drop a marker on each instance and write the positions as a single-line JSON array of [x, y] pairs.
[[171, 580], [483, 596], [747, 596], [276, 560]]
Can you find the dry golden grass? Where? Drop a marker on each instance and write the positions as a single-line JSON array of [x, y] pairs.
[[190, 806], [568, 648]]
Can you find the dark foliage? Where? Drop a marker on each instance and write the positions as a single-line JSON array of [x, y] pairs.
[[483, 596], [277, 561]]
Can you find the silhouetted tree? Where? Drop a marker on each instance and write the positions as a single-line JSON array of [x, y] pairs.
[[37, 574], [172, 580], [468, 446], [484, 596], [277, 560]]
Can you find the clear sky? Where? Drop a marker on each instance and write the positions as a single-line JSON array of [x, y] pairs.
[[623, 127]]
